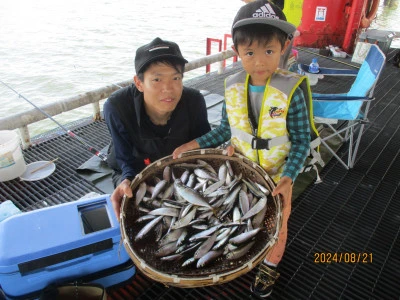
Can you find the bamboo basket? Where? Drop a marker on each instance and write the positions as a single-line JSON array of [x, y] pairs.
[[142, 252]]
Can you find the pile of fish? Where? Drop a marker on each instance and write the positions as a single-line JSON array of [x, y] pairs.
[[202, 215]]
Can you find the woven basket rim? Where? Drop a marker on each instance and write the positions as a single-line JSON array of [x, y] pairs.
[[211, 279]]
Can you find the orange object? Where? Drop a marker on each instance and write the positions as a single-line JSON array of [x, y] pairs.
[[370, 13]]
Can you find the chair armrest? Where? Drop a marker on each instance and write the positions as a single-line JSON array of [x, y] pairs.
[[338, 97], [329, 71]]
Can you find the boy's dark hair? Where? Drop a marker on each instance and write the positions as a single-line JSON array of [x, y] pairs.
[[262, 33], [175, 63]]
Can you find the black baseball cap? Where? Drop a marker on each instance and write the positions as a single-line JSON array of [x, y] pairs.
[[262, 12], [156, 50]]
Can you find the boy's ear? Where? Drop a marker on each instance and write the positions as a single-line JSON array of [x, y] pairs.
[[234, 49], [138, 83], [285, 46]]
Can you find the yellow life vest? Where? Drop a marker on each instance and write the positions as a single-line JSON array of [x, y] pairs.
[[272, 120]]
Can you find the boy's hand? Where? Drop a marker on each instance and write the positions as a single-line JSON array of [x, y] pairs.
[[124, 188], [192, 145], [230, 149], [284, 188]]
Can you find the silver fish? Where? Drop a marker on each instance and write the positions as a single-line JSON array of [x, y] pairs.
[[205, 174], [182, 237], [222, 171], [191, 181], [207, 166], [206, 246], [141, 191], [143, 209], [236, 214], [172, 236], [249, 225], [208, 258], [158, 188], [169, 191], [244, 202], [185, 210], [232, 196], [244, 237], [165, 211], [223, 233], [259, 218], [159, 231], [221, 243], [221, 191], [255, 209], [166, 249], [239, 252], [215, 186], [145, 218], [263, 189], [147, 228], [190, 195], [204, 233], [188, 262], [254, 188], [172, 257], [167, 174], [185, 176], [185, 220], [199, 226], [230, 169], [188, 247], [200, 185]]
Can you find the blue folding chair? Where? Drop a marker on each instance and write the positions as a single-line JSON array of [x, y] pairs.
[[352, 106]]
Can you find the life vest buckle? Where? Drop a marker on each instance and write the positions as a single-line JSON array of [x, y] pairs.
[[257, 143]]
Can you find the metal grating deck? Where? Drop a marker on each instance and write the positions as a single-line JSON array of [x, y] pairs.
[[356, 211]]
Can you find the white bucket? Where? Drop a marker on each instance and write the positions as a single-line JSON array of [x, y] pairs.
[[12, 163]]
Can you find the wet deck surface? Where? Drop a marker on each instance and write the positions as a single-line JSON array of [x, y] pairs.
[[355, 213]]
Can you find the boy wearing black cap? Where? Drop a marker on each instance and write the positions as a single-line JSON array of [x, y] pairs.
[[153, 116], [266, 114]]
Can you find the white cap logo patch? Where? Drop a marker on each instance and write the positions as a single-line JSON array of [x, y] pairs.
[[265, 11]]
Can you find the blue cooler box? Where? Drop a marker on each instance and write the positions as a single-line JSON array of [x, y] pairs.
[[62, 243]]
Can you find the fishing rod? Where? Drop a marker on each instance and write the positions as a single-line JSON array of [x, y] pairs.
[[69, 132]]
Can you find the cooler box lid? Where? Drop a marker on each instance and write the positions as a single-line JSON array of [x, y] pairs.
[[87, 225], [378, 35]]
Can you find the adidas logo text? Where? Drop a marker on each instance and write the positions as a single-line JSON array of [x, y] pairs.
[[265, 11]]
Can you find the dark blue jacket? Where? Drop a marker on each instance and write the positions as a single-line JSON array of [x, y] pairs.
[[135, 139]]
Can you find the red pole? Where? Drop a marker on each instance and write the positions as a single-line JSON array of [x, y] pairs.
[[226, 36], [208, 49], [356, 10]]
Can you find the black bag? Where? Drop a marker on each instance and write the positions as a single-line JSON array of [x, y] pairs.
[[396, 59], [74, 291]]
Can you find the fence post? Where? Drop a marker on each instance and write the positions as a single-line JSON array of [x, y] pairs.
[[208, 49], [226, 36]]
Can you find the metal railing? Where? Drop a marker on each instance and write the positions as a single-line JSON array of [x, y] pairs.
[[21, 120]]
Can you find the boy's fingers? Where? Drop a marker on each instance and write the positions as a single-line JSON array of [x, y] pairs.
[[230, 150]]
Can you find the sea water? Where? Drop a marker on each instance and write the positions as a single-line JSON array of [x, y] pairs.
[[52, 50]]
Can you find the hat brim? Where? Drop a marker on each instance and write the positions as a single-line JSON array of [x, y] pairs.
[[282, 25], [160, 57]]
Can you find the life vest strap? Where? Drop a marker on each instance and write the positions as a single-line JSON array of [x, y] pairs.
[[259, 143]]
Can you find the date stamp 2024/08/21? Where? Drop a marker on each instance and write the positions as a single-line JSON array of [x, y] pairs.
[[342, 257]]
